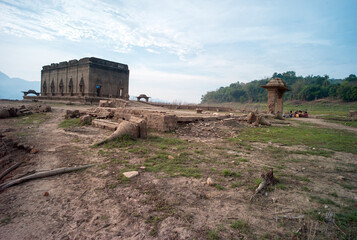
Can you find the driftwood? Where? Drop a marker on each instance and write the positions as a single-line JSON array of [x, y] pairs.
[[7, 171], [42, 175], [267, 180], [124, 128]]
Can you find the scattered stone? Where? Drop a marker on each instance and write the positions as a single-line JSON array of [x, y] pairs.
[[170, 157], [33, 151], [232, 152], [341, 178], [210, 181], [46, 194], [131, 174], [4, 113], [72, 114], [86, 119]]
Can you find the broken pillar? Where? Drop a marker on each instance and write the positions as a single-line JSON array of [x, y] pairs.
[[276, 89]]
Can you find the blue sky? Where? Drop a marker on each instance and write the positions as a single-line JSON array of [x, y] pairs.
[[178, 50]]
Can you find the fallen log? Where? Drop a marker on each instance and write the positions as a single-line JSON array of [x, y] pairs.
[[42, 175], [7, 171]]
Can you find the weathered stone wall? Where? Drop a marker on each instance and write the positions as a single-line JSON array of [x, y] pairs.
[[81, 78], [271, 100]]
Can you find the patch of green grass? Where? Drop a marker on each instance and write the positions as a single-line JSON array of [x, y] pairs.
[[36, 118], [314, 151], [213, 235], [236, 184], [303, 134], [257, 181], [347, 186], [139, 150], [154, 220], [121, 142], [333, 194], [181, 165], [199, 151], [241, 225], [243, 160], [321, 200], [229, 173], [281, 186], [346, 123], [69, 123], [5, 220], [305, 189], [301, 178], [219, 186], [346, 219]]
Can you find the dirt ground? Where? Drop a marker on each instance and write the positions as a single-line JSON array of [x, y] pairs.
[[97, 204]]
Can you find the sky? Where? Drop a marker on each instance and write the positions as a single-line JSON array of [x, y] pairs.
[[178, 50]]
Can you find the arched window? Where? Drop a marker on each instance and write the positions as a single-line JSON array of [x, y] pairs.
[[44, 88], [61, 87], [70, 87], [81, 86], [53, 88]]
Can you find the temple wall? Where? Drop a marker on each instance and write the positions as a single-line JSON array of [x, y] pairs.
[[113, 78]]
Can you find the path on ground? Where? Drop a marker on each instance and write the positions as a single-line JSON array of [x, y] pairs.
[[326, 124]]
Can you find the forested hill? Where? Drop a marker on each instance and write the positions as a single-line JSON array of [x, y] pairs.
[[302, 88]]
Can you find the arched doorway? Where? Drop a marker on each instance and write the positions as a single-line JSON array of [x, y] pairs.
[[44, 88], [81, 86], [52, 88], [70, 87], [61, 87], [98, 90]]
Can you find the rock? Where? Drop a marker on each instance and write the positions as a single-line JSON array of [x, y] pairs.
[[131, 174], [33, 151], [232, 152], [44, 108], [210, 181], [86, 119], [341, 178], [251, 118], [4, 113], [72, 114], [170, 157]]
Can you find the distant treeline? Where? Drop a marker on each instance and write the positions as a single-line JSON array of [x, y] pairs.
[[302, 88]]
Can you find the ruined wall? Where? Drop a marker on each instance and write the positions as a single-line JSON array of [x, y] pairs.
[[159, 121], [80, 78]]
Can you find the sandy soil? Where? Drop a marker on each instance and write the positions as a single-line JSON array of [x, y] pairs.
[[91, 204]]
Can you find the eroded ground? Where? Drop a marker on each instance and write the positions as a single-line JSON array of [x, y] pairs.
[[315, 198]]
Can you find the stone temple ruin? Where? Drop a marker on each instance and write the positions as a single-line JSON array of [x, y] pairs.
[[276, 89], [87, 78]]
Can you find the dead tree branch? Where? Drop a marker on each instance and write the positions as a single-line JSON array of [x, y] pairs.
[[7, 171], [42, 175]]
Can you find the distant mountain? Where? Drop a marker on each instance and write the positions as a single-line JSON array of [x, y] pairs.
[[11, 88]]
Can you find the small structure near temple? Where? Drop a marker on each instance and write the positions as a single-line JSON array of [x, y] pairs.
[[143, 96], [276, 89], [31, 92]]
